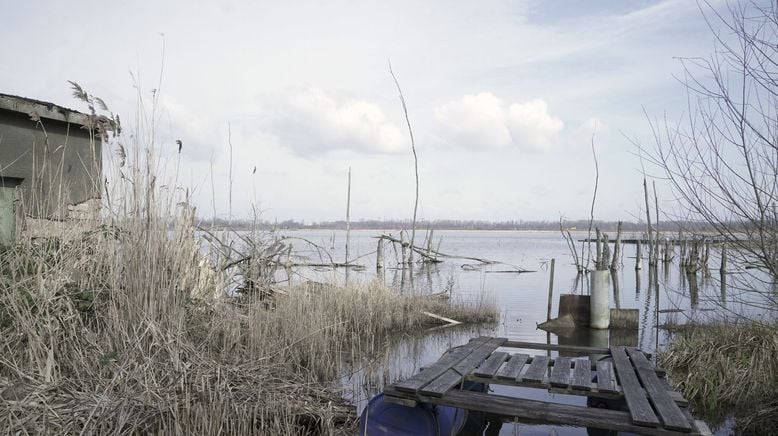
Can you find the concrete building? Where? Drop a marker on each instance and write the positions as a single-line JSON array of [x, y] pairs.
[[50, 163]]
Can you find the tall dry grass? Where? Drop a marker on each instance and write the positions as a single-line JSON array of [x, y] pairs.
[[121, 325], [729, 369]]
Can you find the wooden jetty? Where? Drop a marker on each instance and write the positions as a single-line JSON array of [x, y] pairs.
[[621, 375]]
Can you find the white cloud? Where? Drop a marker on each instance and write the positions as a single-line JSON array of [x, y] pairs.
[[312, 121], [484, 121], [582, 137]]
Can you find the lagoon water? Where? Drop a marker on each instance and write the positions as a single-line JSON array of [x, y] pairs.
[[521, 298]]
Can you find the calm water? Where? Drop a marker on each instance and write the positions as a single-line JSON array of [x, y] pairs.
[[521, 298]]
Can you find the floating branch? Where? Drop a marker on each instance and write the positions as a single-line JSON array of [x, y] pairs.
[[449, 321]]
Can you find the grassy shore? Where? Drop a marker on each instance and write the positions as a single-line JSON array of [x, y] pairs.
[[123, 327], [729, 369]]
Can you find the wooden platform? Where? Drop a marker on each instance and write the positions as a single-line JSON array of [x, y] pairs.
[[624, 375]]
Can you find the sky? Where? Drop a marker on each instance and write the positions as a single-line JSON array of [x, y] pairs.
[[504, 98]]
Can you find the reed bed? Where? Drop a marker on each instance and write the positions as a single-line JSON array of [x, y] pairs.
[[123, 326], [729, 369]]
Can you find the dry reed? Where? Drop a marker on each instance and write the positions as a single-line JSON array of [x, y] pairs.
[[729, 369]]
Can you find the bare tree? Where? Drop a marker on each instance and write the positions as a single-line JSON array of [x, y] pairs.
[[415, 163], [721, 158]]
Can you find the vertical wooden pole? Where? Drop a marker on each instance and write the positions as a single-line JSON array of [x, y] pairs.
[[606, 252], [379, 256], [598, 247], [648, 220], [550, 289], [348, 214], [668, 251], [656, 209], [402, 249], [616, 249], [638, 256], [429, 243]]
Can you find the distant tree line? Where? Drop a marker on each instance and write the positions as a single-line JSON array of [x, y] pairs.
[[447, 224]]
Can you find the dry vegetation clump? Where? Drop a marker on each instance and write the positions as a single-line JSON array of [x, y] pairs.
[[126, 328], [323, 324], [120, 330], [729, 369]]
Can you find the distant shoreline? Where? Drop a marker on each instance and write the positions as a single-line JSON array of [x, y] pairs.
[[439, 225]]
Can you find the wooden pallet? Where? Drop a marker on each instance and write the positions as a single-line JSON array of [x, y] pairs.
[[625, 375]]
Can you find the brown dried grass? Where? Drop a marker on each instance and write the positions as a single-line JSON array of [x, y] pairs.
[[123, 326], [729, 369]]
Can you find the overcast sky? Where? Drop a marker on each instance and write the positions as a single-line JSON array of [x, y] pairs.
[[503, 97]]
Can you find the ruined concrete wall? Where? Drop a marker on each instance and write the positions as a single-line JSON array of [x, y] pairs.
[[58, 162]]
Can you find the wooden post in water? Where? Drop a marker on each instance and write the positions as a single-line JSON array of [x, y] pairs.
[[616, 249], [638, 256], [668, 251], [429, 243], [606, 252], [706, 254], [598, 248], [402, 249], [379, 255], [550, 289], [648, 220], [288, 265], [348, 211]]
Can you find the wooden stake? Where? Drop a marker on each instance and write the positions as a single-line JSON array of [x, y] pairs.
[[648, 219], [616, 248], [379, 257], [656, 207], [348, 211], [598, 248], [550, 289], [638, 256]]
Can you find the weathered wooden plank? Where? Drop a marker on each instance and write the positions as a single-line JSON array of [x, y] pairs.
[[536, 370], [492, 364], [443, 364], [440, 385], [605, 381], [554, 347], [477, 357], [669, 412], [639, 408], [456, 374], [511, 408], [512, 369], [560, 372], [546, 385], [582, 375]]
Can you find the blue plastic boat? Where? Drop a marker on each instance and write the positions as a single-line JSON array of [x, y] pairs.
[[382, 417]]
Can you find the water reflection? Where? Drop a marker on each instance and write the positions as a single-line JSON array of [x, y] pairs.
[[521, 298], [616, 293], [637, 284]]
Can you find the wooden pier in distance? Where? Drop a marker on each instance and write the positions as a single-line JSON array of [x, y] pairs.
[[624, 375]]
